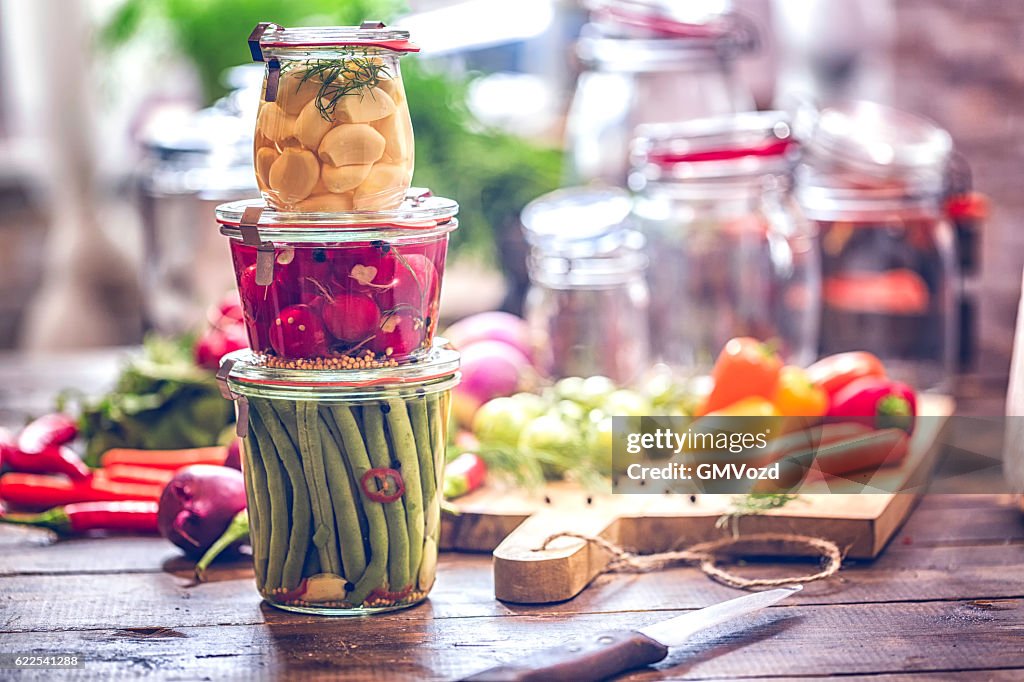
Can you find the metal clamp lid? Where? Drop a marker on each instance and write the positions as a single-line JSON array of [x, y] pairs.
[[248, 225], [242, 403]]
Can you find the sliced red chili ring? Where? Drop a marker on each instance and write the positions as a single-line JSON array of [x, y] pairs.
[[389, 484]]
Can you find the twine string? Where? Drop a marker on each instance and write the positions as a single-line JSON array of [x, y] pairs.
[[704, 554]]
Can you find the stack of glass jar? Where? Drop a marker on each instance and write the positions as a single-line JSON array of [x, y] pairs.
[[343, 398], [587, 304], [652, 61], [730, 254], [873, 180]]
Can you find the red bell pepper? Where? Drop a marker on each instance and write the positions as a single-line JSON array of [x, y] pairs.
[[835, 372], [464, 474], [76, 519], [878, 402], [33, 491]]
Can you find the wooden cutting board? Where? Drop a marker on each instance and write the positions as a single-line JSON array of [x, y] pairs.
[[514, 523]]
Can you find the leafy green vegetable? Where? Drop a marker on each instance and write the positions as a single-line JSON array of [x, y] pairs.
[[162, 400]]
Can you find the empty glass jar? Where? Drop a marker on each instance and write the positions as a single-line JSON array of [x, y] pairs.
[[730, 253], [651, 62], [588, 302], [873, 180]]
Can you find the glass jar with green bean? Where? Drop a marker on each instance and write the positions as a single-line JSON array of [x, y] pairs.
[[343, 473]]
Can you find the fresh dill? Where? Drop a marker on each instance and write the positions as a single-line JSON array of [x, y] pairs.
[[751, 505], [341, 77]]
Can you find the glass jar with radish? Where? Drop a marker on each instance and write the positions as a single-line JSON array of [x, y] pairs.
[[333, 132], [345, 291], [344, 474]]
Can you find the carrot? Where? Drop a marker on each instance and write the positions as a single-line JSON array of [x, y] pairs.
[[127, 473], [167, 460], [861, 453], [34, 491]]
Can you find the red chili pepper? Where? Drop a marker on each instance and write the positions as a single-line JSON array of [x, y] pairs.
[[389, 485], [33, 491], [878, 402], [168, 460], [48, 430], [126, 473], [464, 474], [53, 459], [75, 519]]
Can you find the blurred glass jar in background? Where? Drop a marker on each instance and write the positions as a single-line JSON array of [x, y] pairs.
[[874, 179], [187, 171], [730, 253], [651, 61], [587, 304]]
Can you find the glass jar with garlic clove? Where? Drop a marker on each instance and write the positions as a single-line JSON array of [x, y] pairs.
[[333, 132]]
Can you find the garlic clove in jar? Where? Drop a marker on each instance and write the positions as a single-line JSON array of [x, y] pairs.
[[326, 203], [393, 87], [264, 159], [397, 132], [274, 124], [364, 105], [294, 90], [352, 144], [383, 188], [293, 175], [311, 126], [340, 179]]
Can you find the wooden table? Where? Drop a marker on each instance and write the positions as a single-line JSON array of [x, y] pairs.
[[945, 600]]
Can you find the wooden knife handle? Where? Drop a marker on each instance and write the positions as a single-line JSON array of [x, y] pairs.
[[603, 655]]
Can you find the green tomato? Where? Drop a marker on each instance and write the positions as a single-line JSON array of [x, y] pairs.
[[600, 442], [531, 403], [568, 411], [499, 422], [569, 388], [595, 390], [627, 403], [548, 433]]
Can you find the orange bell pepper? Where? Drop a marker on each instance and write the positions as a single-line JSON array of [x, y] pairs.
[[751, 406], [745, 368]]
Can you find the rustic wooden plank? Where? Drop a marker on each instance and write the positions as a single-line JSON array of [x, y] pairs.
[[465, 588], [783, 641], [988, 519]]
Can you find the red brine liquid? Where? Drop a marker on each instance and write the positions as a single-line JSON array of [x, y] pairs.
[[374, 301]]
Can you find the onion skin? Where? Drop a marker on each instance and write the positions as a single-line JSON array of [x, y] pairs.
[[492, 326], [198, 505]]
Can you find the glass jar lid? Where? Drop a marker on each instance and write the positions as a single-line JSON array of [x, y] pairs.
[[244, 373], [867, 143], [651, 35], [270, 40], [613, 268], [578, 222], [663, 18], [738, 145], [420, 215]]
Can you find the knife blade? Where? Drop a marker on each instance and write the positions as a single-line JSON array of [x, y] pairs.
[[609, 653]]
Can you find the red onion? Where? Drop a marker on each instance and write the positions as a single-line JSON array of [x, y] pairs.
[[198, 505]]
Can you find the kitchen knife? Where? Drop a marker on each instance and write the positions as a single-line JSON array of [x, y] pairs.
[[609, 653]]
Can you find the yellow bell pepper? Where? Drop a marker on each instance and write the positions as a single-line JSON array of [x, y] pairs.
[[797, 396]]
